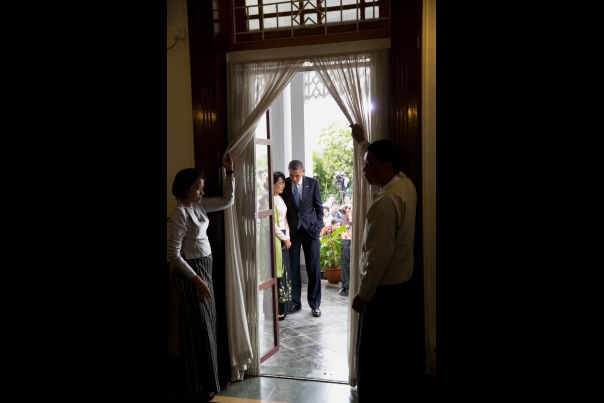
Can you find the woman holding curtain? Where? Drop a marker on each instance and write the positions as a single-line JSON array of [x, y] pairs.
[[282, 244], [191, 256]]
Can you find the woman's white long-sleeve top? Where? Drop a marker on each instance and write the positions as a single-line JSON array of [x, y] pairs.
[[282, 214], [187, 228]]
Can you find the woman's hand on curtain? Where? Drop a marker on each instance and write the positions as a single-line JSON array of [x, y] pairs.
[[357, 133], [227, 162]]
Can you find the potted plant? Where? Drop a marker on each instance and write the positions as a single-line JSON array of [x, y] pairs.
[[330, 254]]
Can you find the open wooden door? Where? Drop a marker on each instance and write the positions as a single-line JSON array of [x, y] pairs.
[[268, 323]]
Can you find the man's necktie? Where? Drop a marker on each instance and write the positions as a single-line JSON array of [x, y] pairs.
[[296, 196]]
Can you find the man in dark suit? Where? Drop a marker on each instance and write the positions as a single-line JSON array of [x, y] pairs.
[[302, 197]]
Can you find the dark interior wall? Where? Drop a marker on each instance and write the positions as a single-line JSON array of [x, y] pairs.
[[405, 130], [209, 42]]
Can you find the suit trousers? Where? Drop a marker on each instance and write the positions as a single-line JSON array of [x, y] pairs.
[[311, 248]]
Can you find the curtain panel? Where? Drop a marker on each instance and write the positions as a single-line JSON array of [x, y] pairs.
[[252, 88], [358, 82]]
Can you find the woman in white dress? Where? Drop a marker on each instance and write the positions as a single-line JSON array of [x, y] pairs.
[[282, 244]]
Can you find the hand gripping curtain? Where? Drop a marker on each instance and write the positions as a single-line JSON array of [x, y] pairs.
[[358, 82], [252, 88]]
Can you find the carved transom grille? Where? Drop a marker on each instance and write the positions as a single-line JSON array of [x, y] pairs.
[[313, 86], [258, 20]]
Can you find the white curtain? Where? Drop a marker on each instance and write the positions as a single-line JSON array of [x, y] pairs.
[[359, 84], [252, 88]]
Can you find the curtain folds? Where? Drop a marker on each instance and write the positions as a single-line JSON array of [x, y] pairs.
[[252, 88], [359, 84]]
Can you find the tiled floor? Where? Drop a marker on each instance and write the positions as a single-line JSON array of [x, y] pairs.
[[314, 348]]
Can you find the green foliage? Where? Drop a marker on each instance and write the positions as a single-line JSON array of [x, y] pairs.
[[327, 187], [331, 248], [337, 155]]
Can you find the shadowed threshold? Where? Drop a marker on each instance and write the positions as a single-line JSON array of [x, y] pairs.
[[227, 399], [262, 389]]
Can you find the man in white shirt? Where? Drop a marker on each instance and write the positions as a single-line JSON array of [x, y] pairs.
[[326, 216], [335, 212], [385, 266]]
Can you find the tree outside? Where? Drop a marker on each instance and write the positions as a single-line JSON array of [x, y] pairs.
[[333, 161]]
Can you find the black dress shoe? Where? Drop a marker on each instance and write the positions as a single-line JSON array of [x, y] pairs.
[[316, 312], [297, 308], [343, 291]]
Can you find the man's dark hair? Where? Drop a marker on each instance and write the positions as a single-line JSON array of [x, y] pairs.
[[294, 165], [334, 221], [387, 151], [183, 180]]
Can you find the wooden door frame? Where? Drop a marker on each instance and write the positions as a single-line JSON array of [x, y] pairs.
[[209, 43]]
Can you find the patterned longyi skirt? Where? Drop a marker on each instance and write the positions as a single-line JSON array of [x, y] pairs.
[[197, 331]]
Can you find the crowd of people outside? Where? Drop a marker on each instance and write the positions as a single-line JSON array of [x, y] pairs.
[[335, 216], [342, 213]]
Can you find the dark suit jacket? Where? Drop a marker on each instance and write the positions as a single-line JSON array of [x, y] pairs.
[[310, 214]]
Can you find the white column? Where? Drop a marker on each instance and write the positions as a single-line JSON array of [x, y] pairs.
[[287, 128], [298, 145], [281, 131]]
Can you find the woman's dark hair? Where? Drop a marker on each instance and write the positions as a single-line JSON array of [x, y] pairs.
[[277, 175], [183, 180]]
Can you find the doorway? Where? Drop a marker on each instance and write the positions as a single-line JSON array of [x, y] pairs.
[[309, 347]]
